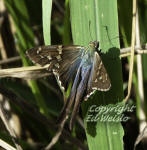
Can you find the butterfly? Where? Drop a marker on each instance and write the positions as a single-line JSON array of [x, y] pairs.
[[79, 65]]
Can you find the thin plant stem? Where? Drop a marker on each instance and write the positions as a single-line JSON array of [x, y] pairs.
[[133, 39]]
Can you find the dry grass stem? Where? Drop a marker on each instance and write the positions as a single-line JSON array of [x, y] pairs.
[[142, 115], [6, 145], [8, 127], [32, 72], [133, 39]]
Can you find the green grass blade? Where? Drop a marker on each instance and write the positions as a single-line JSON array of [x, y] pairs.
[[66, 35], [47, 8], [25, 35], [125, 18], [20, 18], [143, 31], [97, 20]]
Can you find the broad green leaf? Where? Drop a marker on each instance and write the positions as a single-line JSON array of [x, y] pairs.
[[98, 20]]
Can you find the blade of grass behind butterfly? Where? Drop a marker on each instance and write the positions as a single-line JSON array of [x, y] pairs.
[[143, 31], [102, 17], [47, 8], [25, 40], [66, 34], [142, 7]]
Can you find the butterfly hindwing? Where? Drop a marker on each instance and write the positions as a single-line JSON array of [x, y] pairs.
[[99, 79]]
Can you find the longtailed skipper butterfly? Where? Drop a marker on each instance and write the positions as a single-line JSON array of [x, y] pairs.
[[77, 64]]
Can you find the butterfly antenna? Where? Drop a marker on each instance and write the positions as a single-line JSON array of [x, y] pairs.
[[119, 36], [109, 37]]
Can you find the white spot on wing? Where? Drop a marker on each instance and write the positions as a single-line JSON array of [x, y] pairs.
[[39, 49], [59, 49], [58, 80], [100, 78], [100, 66], [96, 80], [59, 57], [106, 77], [94, 89], [98, 73], [49, 57], [41, 56], [57, 65], [89, 95]]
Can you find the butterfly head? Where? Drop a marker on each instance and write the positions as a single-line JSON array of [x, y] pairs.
[[94, 45]]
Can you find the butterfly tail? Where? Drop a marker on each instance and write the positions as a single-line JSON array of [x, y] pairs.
[[80, 94], [67, 107]]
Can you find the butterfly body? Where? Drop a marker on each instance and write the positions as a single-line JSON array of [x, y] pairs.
[[81, 65]]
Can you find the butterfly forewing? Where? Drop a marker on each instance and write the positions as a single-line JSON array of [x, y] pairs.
[[63, 61]]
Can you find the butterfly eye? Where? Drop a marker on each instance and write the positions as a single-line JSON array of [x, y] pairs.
[[96, 44]]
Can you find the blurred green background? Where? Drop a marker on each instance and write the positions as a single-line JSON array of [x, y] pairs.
[[22, 28]]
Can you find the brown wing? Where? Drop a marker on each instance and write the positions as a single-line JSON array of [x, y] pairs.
[[99, 79], [63, 61]]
